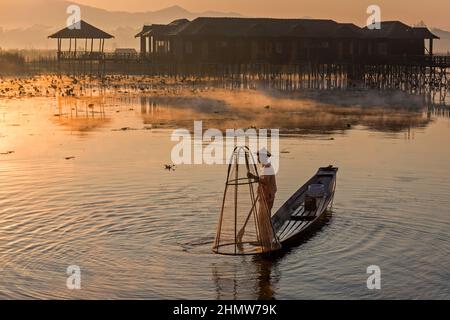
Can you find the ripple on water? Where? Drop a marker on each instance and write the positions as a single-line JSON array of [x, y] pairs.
[[138, 231]]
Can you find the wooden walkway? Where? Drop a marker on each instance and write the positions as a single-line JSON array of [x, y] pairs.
[[414, 74]]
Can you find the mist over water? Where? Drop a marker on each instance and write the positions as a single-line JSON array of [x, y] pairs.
[[83, 183]]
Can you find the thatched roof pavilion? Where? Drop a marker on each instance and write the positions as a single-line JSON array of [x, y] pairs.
[[81, 31]]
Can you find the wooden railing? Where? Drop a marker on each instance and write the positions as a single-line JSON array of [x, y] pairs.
[[410, 60], [66, 55], [442, 60], [97, 56], [121, 56]]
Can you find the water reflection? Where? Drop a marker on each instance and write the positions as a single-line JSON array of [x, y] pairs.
[[177, 105], [82, 114], [268, 276], [252, 278], [128, 214], [182, 111], [293, 116], [257, 277], [438, 111]]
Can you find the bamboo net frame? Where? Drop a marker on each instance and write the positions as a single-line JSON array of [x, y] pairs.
[[245, 225]]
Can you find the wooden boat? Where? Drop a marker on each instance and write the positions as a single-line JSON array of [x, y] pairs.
[[244, 222], [294, 219]]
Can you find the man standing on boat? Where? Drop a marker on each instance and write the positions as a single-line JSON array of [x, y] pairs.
[[267, 188], [267, 181]]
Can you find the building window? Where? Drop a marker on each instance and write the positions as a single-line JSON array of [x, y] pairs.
[[161, 46], [188, 47]]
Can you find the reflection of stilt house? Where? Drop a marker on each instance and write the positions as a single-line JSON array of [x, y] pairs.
[[83, 42]]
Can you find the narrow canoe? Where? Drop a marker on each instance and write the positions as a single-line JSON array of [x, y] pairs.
[[292, 220]]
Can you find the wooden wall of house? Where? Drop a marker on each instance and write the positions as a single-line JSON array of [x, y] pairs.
[[143, 45], [400, 47], [407, 47], [242, 50], [272, 50]]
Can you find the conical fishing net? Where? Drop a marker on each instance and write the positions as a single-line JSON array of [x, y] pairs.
[[245, 225]]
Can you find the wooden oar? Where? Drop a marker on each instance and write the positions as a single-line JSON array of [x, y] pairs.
[[241, 233]]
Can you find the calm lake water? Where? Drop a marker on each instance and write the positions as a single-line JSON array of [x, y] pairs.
[[82, 182]]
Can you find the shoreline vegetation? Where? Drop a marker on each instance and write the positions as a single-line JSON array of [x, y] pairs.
[[11, 63]]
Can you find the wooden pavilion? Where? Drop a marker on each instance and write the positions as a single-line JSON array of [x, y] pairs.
[[90, 38]]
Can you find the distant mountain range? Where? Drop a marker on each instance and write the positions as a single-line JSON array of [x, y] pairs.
[[19, 13], [26, 24]]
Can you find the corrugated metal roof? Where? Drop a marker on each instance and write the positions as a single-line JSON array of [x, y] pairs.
[[85, 31]]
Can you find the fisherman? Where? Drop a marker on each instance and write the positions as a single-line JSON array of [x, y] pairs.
[[267, 188], [267, 181]]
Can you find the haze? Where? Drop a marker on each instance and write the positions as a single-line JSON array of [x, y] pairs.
[[26, 24], [433, 12]]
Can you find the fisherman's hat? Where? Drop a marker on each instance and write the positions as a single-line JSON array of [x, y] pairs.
[[263, 151]]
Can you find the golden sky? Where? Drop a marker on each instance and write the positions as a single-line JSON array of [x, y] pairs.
[[433, 12]]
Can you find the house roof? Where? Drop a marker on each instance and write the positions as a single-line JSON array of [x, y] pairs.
[[162, 29], [268, 27], [176, 26], [254, 27], [347, 30], [144, 30], [424, 33], [85, 31], [398, 30], [206, 26]]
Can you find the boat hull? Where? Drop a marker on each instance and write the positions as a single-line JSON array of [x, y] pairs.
[[293, 220]]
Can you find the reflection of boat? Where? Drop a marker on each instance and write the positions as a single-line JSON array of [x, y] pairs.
[[248, 279], [296, 217]]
